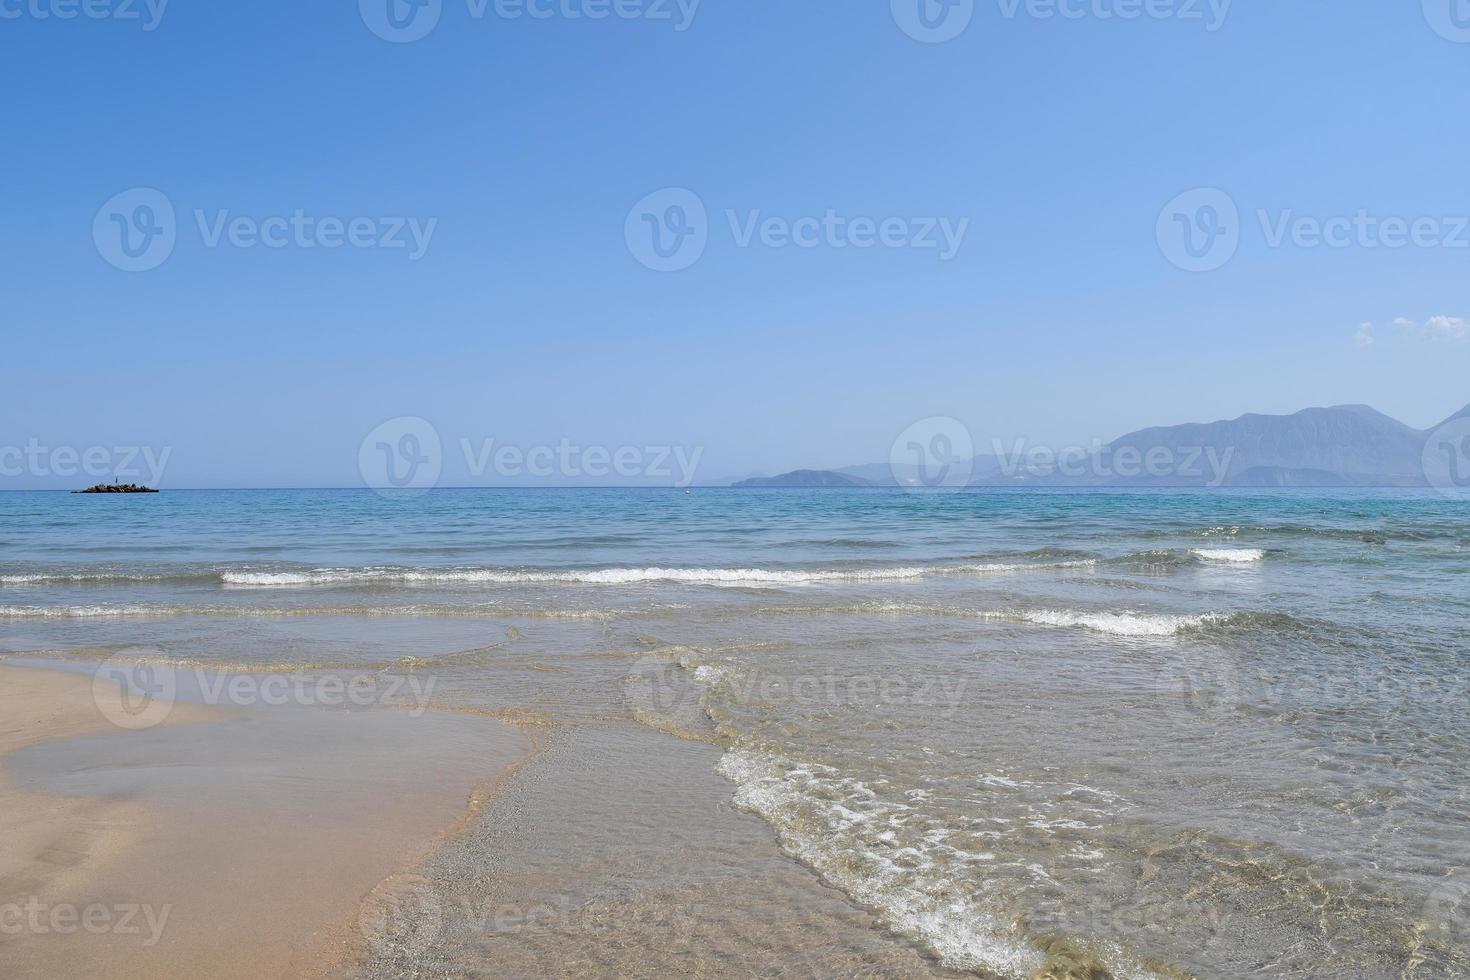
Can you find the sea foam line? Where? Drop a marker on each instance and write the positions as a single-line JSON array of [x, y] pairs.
[[622, 576], [826, 821], [781, 791], [43, 578], [408, 612], [1126, 623], [1122, 623], [1240, 555], [387, 575], [76, 612]]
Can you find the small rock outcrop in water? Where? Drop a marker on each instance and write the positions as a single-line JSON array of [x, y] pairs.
[[117, 488]]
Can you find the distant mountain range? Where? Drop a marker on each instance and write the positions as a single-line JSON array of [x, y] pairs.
[[1344, 446], [808, 478]]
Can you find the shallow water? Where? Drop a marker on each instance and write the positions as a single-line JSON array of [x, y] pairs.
[[1020, 734]]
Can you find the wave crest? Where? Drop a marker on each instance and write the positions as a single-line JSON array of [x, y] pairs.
[[621, 576], [1237, 555]]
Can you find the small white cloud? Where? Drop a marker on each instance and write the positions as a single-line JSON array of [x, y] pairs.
[[1448, 327], [1435, 328], [1364, 337]]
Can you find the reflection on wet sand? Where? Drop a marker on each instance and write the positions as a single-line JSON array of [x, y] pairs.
[[239, 842]]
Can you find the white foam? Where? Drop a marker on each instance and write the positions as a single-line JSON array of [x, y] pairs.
[[708, 675], [786, 794], [1241, 555], [75, 612], [1121, 623], [163, 611], [41, 578], [1125, 623], [619, 576]]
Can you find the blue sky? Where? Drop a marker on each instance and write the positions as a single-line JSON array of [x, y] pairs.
[[1055, 142]]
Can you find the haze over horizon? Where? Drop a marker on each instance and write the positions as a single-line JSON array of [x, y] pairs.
[[1361, 444]]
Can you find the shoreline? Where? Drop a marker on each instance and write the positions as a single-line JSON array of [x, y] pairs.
[[235, 842], [379, 917]]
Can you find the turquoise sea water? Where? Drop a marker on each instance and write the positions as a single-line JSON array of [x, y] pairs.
[[195, 532], [1152, 733]]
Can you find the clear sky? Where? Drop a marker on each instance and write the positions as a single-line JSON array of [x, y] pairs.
[[527, 311]]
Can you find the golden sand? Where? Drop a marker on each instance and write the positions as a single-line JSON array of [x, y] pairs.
[[222, 843]]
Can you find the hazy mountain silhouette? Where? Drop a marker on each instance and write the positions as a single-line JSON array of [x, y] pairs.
[[1343, 445], [806, 478]]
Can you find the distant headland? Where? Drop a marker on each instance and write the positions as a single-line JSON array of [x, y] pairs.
[[1338, 446]]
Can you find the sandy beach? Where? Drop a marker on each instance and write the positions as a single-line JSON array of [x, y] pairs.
[[239, 842]]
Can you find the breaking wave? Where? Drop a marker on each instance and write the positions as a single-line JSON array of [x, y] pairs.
[[167, 611], [1241, 555], [1119, 623], [845, 832], [622, 576], [288, 578]]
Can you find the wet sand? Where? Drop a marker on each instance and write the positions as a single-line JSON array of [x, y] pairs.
[[240, 842], [617, 853]]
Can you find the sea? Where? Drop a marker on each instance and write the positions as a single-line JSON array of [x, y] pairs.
[[854, 732]]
